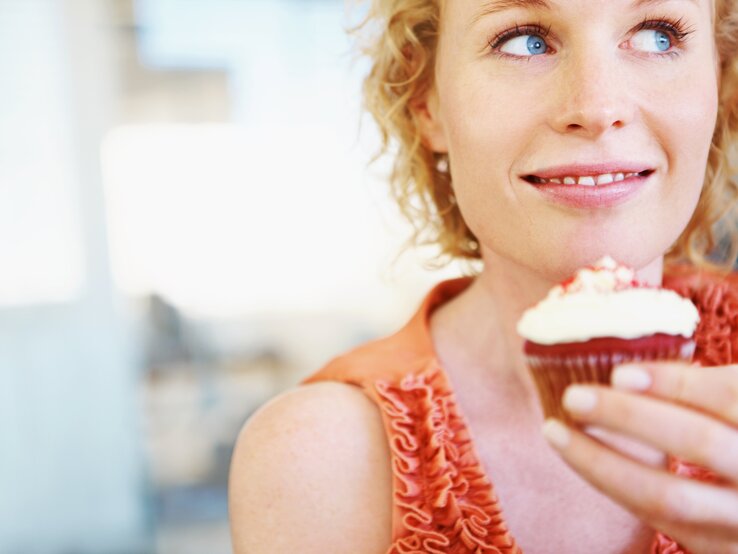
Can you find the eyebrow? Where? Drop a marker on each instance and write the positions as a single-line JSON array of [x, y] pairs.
[[495, 6]]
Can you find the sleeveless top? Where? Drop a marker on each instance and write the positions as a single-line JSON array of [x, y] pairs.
[[443, 502]]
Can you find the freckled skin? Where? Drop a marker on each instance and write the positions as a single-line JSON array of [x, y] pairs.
[[598, 95], [595, 95]]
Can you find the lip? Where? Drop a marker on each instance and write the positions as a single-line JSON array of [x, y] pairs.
[[597, 196], [593, 169]]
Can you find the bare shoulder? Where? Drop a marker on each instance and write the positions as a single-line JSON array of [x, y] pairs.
[[311, 473]]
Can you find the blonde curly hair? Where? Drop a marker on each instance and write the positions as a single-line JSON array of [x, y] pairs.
[[400, 38]]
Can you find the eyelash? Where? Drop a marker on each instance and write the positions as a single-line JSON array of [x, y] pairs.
[[518, 31], [675, 28]]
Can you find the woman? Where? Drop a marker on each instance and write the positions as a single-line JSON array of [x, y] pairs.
[[497, 107]]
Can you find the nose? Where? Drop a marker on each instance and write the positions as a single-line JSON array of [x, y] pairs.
[[594, 96]]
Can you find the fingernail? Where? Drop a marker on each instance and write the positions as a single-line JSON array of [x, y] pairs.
[[630, 377], [556, 433], [579, 399]]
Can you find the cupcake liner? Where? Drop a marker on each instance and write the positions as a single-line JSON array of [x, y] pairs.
[[553, 373]]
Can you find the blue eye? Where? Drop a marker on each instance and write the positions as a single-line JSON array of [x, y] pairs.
[[651, 40], [525, 45]]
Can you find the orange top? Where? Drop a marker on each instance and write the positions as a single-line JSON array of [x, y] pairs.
[[443, 500]]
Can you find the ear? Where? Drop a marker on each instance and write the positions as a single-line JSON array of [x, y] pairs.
[[427, 112]]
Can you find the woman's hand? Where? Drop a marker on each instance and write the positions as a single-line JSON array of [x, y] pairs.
[[687, 411]]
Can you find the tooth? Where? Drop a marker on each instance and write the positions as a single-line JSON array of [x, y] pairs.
[[570, 181], [557, 181], [619, 177], [605, 179], [587, 181], [629, 175]]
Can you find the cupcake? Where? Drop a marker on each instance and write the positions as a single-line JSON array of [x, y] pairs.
[[600, 318]]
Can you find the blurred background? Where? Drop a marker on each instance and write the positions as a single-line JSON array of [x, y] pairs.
[[189, 227]]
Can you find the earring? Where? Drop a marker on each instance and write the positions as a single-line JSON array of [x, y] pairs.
[[442, 166], [442, 163]]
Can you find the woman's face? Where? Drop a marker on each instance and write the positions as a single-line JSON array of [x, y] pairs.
[[583, 91]]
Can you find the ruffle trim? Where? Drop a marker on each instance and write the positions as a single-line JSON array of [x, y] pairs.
[[717, 302], [444, 500]]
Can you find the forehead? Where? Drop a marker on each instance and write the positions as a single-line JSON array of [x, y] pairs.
[[473, 10]]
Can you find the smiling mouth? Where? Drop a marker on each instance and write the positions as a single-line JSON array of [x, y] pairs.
[[586, 180]]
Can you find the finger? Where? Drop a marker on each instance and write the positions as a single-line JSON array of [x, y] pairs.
[[659, 498], [692, 541], [713, 390], [634, 449], [685, 433]]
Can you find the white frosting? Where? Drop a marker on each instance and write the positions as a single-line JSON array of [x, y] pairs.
[[602, 302]]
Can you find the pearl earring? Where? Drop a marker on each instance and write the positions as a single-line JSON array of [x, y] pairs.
[[442, 163]]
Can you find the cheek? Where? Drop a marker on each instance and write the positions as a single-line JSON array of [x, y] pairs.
[[488, 129], [483, 154], [492, 133], [687, 115], [491, 130], [684, 123]]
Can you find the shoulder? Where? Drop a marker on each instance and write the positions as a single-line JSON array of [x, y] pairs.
[[311, 473]]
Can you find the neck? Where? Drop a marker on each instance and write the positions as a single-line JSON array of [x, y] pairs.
[[476, 331]]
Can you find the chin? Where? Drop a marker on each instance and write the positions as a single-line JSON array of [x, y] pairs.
[[557, 256], [558, 265], [635, 247]]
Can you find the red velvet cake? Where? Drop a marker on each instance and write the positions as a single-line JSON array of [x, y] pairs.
[[600, 318]]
